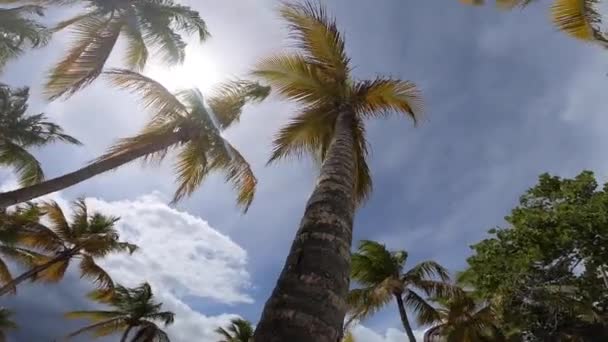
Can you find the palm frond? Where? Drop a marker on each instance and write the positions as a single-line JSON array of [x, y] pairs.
[[365, 302], [137, 51], [55, 272], [6, 277], [40, 237], [69, 22], [165, 42], [181, 18], [363, 181], [425, 313], [25, 164], [149, 332], [18, 30], [372, 264], [94, 316], [229, 98], [382, 96], [427, 270], [59, 223], [578, 18], [104, 328], [96, 37], [191, 168], [166, 317], [89, 269]]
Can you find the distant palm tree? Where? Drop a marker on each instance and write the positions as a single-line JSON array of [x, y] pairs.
[[18, 30], [382, 275], [145, 24], [133, 310], [19, 132], [182, 122], [579, 19], [87, 237], [463, 319], [6, 323], [11, 224], [240, 330], [330, 125]]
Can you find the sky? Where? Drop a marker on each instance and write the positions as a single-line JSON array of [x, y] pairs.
[[507, 97]]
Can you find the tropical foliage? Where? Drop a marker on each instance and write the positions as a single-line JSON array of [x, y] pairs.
[[382, 278], [6, 323], [134, 313], [179, 122], [20, 132], [239, 330], [18, 31], [85, 238]]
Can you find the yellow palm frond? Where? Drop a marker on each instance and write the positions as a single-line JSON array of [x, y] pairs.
[[363, 180], [59, 223], [93, 316], [89, 269], [365, 302], [577, 18], [191, 168], [137, 51], [154, 96], [229, 98], [6, 276], [309, 132], [84, 62], [383, 96], [40, 237], [295, 79], [473, 2], [349, 337], [55, 272], [317, 35], [104, 328]]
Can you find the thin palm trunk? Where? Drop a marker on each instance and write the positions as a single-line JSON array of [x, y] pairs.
[[126, 334], [308, 302], [33, 272], [404, 320], [31, 192]]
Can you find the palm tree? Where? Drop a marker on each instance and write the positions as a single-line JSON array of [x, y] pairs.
[[18, 30], [381, 274], [11, 224], [19, 131], [240, 330], [579, 19], [147, 26], [463, 319], [134, 310], [87, 237], [6, 323], [308, 301], [181, 121]]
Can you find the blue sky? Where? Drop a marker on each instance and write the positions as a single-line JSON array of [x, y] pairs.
[[507, 98]]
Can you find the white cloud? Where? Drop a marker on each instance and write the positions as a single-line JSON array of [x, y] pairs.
[[364, 334]]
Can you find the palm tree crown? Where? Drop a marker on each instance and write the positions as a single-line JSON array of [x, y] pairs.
[[18, 30], [381, 274], [132, 308], [19, 131], [240, 330]]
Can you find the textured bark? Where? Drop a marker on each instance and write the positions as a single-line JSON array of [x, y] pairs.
[[308, 302], [33, 272], [31, 192], [404, 320], [126, 334]]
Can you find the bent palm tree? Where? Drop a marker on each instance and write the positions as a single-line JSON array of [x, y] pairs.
[[180, 122], [86, 238], [383, 278], [240, 330], [145, 24], [133, 310], [19, 131], [18, 30], [307, 303], [6, 323], [462, 319]]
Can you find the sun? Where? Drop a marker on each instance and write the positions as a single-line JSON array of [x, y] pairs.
[[199, 70]]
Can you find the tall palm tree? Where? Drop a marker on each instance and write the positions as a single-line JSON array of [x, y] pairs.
[[463, 319], [381, 274], [6, 323], [19, 131], [579, 19], [180, 121], [148, 26], [240, 330], [18, 30], [11, 224], [308, 301], [133, 310], [87, 237]]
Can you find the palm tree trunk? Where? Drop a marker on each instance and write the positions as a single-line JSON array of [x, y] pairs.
[[28, 193], [126, 334], [308, 302], [31, 273], [404, 320]]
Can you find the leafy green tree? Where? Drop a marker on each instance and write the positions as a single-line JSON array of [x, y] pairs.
[[19, 132], [381, 274], [87, 237], [18, 30], [545, 273], [180, 122], [148, 26], [240, 330], [6, 323], [330, 126], [133, 311]]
